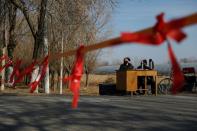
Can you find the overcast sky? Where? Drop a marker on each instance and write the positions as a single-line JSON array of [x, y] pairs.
[[133, 15]]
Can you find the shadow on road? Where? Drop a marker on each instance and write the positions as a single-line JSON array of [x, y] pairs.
[[97, 113]]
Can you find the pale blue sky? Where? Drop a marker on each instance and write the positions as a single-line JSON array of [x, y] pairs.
[[133, 15]]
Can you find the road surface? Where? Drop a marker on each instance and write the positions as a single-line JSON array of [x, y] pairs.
[[102, 113]]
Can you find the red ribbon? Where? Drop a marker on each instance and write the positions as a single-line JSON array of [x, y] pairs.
[[19, 76], [173, 33], [15, 71], [178, 35], [26, 71], [9, 63], [75, 76], [33, 86], [4, 57], [159, 35], [178, 77], [44, 65]]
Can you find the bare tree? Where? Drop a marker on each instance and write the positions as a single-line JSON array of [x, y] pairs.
[[39, 35], [7, 22], [77, 22], [4, 24], [66, 22], [2, 37]]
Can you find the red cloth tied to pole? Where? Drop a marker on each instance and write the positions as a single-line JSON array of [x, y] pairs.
[[9, 63], [75, 76], [178, 77], [16, 73], [44, 65], [4, 57], [26, 71], [15, 70]]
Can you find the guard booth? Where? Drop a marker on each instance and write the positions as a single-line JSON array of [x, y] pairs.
[[127, 81]]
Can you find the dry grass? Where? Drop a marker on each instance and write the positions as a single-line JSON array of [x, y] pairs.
[[92, 89]]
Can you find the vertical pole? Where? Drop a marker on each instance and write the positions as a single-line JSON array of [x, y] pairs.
[[61, 65], [34, 76], [5, 40], [46, 48], [46, 78], [3, 71]]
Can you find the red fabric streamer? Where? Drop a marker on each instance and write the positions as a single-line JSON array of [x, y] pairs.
[[15, 70], [178, 77], [19, 76], [26, 71], [75, 76], [34, 84], [9, 63], [147, 39], [159, 35], [178, 35], [4, 57], [175, 34]]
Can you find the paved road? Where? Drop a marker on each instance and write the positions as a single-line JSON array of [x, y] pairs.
[[104, 113]]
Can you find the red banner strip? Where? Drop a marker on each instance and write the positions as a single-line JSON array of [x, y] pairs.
[[27, 71], [4, 57], [178, 77], [44, 66], [157, 37], [9, 63], [15, 70], [75, 76]]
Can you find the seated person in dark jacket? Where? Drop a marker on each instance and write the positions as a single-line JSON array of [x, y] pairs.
[[151, 64], [141, 79], [126, 65], [143, 65]]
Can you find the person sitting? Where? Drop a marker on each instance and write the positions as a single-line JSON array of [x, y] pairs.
[[151, 64], [143, 65], [141, 79], [126, 65], [150, 80]]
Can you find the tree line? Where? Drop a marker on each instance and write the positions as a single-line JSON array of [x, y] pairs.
[[32, 29]]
